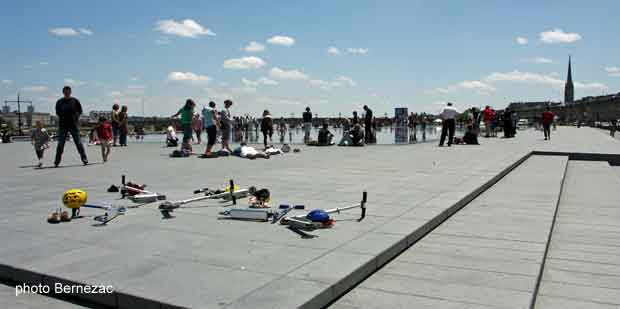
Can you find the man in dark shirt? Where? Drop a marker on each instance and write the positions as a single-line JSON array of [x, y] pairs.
[[307, 117], [368, 124], [68, 110]]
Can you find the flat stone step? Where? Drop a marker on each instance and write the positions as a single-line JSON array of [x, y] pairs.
[[582, 269], [474, 259]]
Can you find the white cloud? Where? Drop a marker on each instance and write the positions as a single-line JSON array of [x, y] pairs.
[[249, 83], [360, 51], [534, 78], [266, 81], [260, 81], [64, 31], [85, 31], [347, 80], [325, 85], [337, 82], [43, 63], [115, 94], [134, 78], [254, 47], [521, 40], [590, 86], [73, 82], [136, 87], [188, 77], [613, 71], [333, 51], [476, 85], [244, 63], [278, 73], [6, 81], [35, 89], [187, 28], [517, 76], [541, 60], [559, 36], [281, 40], [28, 66], [244, 90], [68, 31]]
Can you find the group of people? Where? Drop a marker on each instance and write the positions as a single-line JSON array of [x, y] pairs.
[[114, 132], [214, 122], [69, 109], [473, 117]]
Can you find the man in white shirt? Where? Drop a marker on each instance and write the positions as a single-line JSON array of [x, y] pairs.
[[448, 124]]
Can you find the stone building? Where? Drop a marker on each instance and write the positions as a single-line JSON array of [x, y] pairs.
[[587, 110]]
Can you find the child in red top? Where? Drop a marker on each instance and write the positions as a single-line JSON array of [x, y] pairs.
[[104, 132]]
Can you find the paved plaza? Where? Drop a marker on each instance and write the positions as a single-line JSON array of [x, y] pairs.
[[473, 223]]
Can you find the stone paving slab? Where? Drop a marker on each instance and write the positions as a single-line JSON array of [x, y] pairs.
[[474, 273], [145, 257], [584, 275]]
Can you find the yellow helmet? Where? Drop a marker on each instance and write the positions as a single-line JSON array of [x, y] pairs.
[[227, 189], [74, 198]]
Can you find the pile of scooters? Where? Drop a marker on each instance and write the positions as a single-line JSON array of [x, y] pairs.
[[258, 206]]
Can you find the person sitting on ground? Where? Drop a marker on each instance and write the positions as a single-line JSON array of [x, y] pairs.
[[355, 137], [325, 137], [249, 152], [470, 137], [171, 138]]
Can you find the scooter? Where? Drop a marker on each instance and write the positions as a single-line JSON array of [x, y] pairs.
[[138, 195], [318, 218], [167, 207]]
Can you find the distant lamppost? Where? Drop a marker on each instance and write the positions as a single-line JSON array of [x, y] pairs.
[[19, 112]]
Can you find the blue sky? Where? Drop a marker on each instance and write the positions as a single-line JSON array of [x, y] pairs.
[[334, 56]]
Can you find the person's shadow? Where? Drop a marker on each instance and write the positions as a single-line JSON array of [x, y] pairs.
[[36, 167]]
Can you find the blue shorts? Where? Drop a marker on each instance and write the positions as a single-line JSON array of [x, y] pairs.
[[188, 132]]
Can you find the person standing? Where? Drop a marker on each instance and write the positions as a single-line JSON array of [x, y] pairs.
[[210, 123], [115, 124], [123, 129], [356, 119], [282, 129], [507, 121], [368, 117], [226, 124], [307, 118], [488, 116], [197, 127], [40, 140], [104, 134], [448, 124], [266, 126], [68, 110], [413, 126], [547, 120], [186, 112]]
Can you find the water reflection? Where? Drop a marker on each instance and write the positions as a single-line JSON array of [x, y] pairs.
[[384, 135]]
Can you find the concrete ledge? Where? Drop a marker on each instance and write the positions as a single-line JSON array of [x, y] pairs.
[[613, 159], [412, 238]]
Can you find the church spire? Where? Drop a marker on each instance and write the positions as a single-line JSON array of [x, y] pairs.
[[569, 89]]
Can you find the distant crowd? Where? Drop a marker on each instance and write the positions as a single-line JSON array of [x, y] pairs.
[[356, 131]]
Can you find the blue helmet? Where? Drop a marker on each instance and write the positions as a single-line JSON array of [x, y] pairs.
[[318, 215]]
